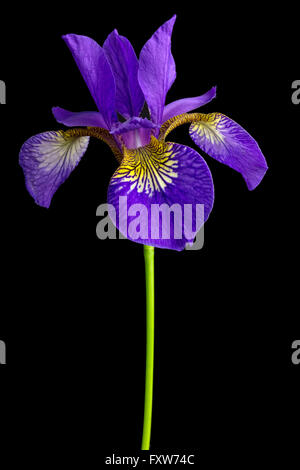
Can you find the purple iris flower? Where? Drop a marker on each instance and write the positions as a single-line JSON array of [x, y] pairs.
[[151, 171]]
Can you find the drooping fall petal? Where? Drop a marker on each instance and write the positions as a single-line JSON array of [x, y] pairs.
[[157, 69], [47, 160], [226, 141], [124, 65], [162, 182], [96, 71]]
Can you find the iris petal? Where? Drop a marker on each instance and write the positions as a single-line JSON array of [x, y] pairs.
[[157, 69], [188, 104], [161, 175], [124, 64], [47, 160], [84, 118], [96, 71], [227, 142]]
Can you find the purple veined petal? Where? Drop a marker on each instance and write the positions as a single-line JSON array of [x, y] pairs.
[[188, 104], [154, 182], [124, 65], [157, 69], [227, 142], [84, 118], [47, 160], [96, 71]]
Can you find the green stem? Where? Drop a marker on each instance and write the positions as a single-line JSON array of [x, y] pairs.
[[149, 271]]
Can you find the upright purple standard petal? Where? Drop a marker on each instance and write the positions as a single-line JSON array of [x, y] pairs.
[[124, 64], [157, 69], [47, 160], [155, 193], [188, 104], [227, 142], [84, 118], [95, 69]]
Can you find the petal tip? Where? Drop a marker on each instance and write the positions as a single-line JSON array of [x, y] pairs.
[[170, 23], [254, 183], [66, 37]]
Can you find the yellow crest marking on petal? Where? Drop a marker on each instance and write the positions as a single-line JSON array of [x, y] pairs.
[[150, 168], [99, 133], [207, 127], [207, 123]]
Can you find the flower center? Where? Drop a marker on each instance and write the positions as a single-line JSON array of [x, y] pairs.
[[136, 138]]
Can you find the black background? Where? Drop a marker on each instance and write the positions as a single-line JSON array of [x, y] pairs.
[[73, 307]]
